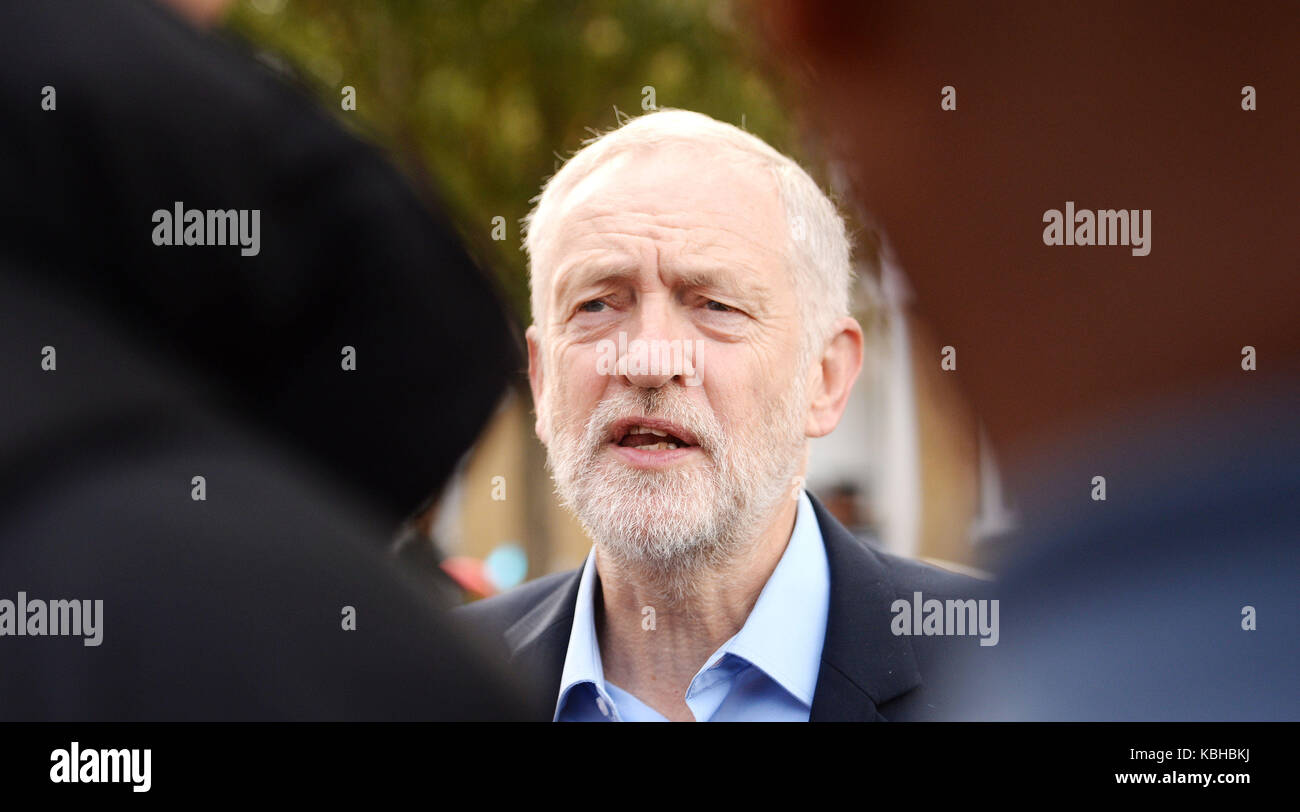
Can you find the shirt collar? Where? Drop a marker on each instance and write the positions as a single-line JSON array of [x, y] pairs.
[[782, 636], [785, 630], [582, 661]]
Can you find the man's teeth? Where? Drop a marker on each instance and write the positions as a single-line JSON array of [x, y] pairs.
[[647, 430], [663, 446]]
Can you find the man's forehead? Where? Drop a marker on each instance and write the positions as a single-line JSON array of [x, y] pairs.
[[676, 194]]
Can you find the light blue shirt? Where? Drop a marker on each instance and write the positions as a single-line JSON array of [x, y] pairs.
[[766, 672]]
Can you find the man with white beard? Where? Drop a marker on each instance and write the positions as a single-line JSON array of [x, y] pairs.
[[716, 589]]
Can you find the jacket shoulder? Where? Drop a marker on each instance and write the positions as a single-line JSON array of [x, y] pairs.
[[910, 575], [498, 613]]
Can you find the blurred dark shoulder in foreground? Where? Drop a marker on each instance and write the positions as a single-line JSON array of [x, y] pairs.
[[151, 113], [1175, 598], [197, 360]]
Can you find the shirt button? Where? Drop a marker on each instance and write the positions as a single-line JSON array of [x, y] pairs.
[[602, 706]]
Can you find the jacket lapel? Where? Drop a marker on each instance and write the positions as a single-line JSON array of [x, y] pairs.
[[539, 641], [864, 665]]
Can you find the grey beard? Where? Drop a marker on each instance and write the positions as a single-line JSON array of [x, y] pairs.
[[674, 528]]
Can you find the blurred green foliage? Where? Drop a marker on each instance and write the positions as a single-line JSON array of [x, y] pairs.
[[490, 95]]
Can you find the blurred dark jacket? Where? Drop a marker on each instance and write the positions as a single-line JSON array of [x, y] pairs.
[[1175, 598], [184, 361]]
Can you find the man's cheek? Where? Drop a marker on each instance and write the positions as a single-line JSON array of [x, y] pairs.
[[585, 384], [584, 367], [557, 415]]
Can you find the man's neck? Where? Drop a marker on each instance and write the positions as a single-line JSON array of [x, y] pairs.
[[655, 652]]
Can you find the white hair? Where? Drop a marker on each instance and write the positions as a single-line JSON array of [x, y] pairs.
[[817, 244]]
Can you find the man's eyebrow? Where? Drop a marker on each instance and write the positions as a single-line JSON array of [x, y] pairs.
[[591, 275], [732, 279], [714, 276], [707, 278]]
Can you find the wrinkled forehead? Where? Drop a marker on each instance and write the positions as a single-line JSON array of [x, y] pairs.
[[685, 197]]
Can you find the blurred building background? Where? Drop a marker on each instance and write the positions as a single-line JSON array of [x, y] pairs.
[[481, 101]]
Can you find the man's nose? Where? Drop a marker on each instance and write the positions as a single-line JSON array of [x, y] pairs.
[[651, 361]]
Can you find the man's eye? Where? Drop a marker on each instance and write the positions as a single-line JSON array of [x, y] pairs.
[[718, 306], [594, 306]]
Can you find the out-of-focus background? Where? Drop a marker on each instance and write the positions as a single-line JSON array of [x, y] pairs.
[[482, 101]]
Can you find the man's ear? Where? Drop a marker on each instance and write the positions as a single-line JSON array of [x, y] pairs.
[[838, 366], [532, 336]]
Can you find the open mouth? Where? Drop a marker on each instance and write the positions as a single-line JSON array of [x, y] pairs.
[[645, 434]]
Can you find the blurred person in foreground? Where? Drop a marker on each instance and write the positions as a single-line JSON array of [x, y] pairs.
[[691, 332], [183, 442], [1172, 375]]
